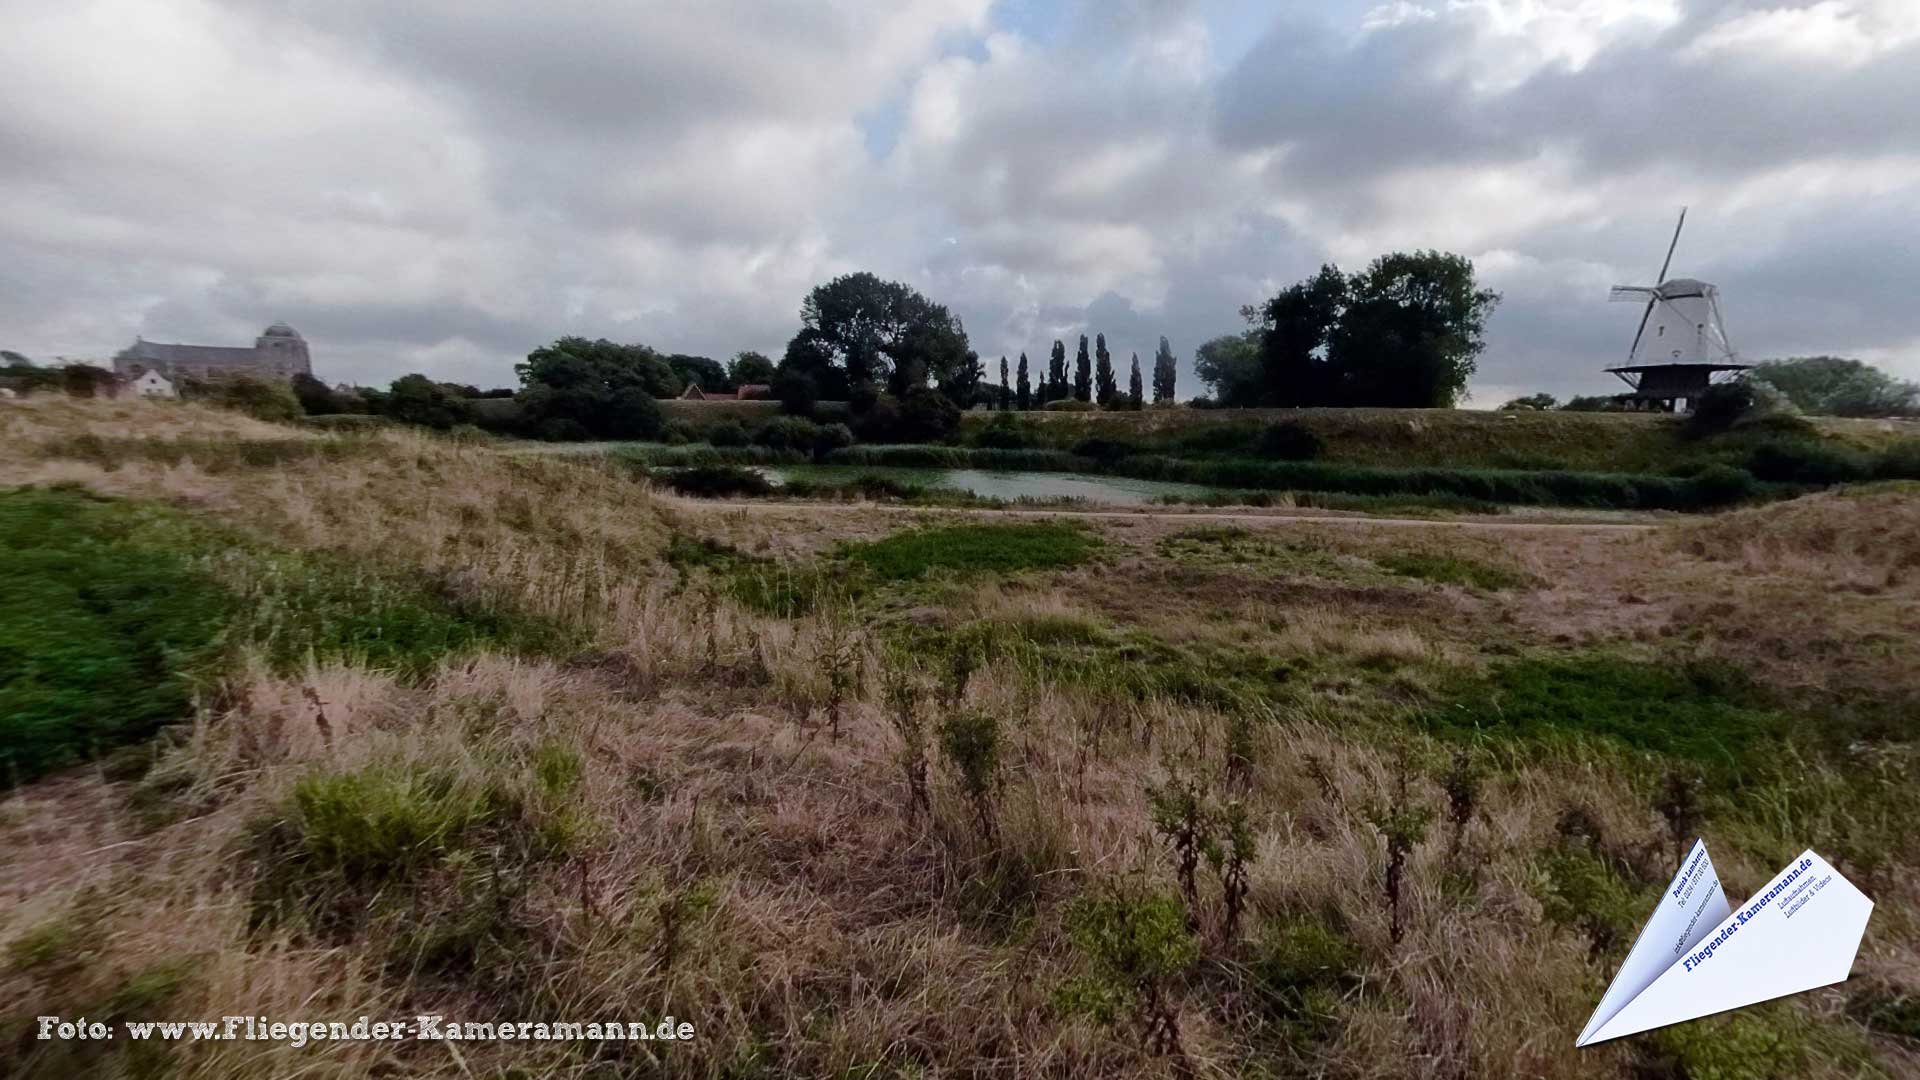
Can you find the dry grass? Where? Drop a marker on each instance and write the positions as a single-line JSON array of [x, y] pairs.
[[687, 835]]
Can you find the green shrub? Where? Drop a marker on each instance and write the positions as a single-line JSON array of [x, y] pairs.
[[830, 437], [1004, 432], [1899, 461], [715, 481], [1804, 461], [972, 549], [381, 821], [1290, 441], [1723, 485], [787, 433], [727, 433], [1298, 970], [1722, 406], [677, 433]]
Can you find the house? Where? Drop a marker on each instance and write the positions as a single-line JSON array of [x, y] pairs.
[[747, 392], [147, 384]]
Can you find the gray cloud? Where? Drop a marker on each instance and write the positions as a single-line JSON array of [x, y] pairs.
[[441, 186]]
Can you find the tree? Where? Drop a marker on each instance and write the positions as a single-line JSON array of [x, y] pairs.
[[1163, 373], [316, 398], [960, 383], [1056, 384], [1833, 386], [1082, 373], [1295, 330], [416, 399], [1006, 392], [701, 371], [598, 389], [748, 367], [1134, 389], [1531, 403], [1024, 392], [1410, 333], [1103, 381], [874, 331], [1230, 366]]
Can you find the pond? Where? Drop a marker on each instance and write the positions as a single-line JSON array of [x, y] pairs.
[[1111, 490]]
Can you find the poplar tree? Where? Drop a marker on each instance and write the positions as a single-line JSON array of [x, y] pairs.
[[1024, 386], [1104, 387], [1163, 372], [1056, 373], [1133, 384], [1005, 393], [1082, 373]]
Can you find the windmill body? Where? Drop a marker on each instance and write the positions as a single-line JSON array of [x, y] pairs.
[[1681, 346]]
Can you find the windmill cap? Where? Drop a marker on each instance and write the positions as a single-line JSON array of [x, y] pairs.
[[1675, 288]]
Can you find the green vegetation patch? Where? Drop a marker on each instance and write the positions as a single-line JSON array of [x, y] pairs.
[[1703, 712], [976, 549], [1447, 569], [213, 455], [113, 613], [1242, 548]]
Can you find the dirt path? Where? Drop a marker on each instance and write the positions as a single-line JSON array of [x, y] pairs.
[[746, 507]]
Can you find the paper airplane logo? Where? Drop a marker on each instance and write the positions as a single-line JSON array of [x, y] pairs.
[[1697, 956]]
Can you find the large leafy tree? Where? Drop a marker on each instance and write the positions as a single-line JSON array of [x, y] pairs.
[[1230, 366], [576, 388], [700, 370], [1295, 329], [416, 399], [1163, 373], [858, 330], [1411, 333], [1832, 386], [1082, 373], [748, 367]]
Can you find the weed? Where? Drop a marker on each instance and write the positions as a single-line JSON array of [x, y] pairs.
[[1462, 785], [1180, 815], [1230, 853], [970, 738], [1137, 945], [1581, 888], [1403, 825], [904, 693]]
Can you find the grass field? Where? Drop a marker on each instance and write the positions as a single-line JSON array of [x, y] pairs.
[[385, 724]]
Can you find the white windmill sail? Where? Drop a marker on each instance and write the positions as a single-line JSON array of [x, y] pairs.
[[1800, 931]]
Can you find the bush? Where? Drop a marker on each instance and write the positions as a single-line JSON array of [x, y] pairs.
[[1069, 405], [1003, 433], [1290, 441], [715, 481], [562, 429], [1722, 406], [927, 416], [1900, 461], [1807, 462], [878, 421], [787, 433], [830, 437], [262, 399], [1721, 485], [727, 433], [1104, 451], [677, 433]]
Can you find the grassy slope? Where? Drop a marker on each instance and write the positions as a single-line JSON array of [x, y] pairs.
[[1459, 438], [709, 809]]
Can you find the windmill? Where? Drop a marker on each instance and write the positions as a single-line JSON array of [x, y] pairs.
[[1688, 344]]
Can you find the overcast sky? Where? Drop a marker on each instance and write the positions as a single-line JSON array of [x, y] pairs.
[[441, 185]]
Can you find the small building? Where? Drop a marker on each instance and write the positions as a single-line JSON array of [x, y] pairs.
[[747, 392], [147, 384]]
